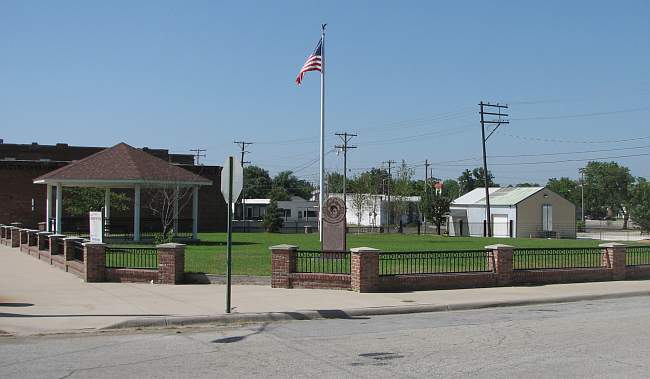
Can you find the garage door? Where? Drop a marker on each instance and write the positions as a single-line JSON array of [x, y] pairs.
[[500, 226]]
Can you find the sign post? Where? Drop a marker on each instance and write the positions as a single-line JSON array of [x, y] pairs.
[[96, 223], [232, 179]]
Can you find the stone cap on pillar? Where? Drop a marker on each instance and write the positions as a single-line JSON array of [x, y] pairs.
[[72, 238], [56, 235], [44, 233], [499, 246], [359, 250], [612, 245], [89, 243], [170, 245], [284, 247]]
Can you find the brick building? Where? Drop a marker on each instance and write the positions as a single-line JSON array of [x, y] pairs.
[[23, 201]]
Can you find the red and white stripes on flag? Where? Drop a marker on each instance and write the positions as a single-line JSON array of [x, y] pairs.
[[313, 63]]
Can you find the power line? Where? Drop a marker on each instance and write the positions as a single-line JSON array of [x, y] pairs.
[[553, 140], [345, 138], [198, 155]]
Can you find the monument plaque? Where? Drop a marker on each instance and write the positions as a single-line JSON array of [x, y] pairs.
[[334, 225]]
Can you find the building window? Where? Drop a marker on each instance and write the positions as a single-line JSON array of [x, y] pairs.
[[547, 217], [311, 213]]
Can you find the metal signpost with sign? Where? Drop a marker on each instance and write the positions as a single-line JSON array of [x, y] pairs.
[[96, 223], [232, 180]]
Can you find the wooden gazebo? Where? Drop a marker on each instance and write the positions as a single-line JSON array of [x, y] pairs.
[[121, 166]]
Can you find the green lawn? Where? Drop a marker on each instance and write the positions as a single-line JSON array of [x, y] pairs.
[[251, 255]]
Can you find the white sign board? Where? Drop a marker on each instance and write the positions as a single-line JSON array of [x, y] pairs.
[[96, 227], [237, 179]]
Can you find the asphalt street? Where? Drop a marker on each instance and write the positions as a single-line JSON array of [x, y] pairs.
[[608, 338]]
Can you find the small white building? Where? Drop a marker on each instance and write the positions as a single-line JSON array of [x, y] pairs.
[[524, 212], [296, 209], [372, 210]]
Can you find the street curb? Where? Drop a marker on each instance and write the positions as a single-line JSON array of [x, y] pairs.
[[241, 318]]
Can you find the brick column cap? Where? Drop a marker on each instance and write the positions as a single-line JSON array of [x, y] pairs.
[[93, 244], [284, 247], [16, 223], [13, 227], [57, 235], [499, 246], [612, 245], [24, 229], [44, 233], [170, 245], [72, 238], [364, 250]]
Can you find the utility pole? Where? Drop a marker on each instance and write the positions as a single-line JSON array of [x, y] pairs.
[[345, 138], [242, 145], [484, 139], [198, 154], [390, 163], [582, 195], [426, 189]]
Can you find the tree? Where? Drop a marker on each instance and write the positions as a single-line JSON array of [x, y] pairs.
[[257, 183], [640, 204], [272, 220], [78, 201], [164, 201], [293, 185], [567, 188], [450, 189], [470, 180], [436, 208], [335, 182], [360, 195], [607, 189], [279, 194], [400, 189], [526, 184]]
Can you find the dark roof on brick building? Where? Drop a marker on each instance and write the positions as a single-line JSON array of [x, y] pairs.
[[121, 164]]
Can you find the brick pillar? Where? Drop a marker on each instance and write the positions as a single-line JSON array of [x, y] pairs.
[[94, 262], [54, 246], [364, 269], [614, 259], [15, 236], [171, 263], [2, 233], [23, 240], [502, 263], [43, 239], [31, 238], [17, 224], [283, 263], [68, 247]]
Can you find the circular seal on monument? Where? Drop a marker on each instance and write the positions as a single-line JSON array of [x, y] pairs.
[[334, 210]]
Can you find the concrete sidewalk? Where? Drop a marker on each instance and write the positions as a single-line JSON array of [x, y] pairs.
[[38, 298]]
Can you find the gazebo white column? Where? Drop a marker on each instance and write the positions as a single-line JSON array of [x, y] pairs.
[[48, 209], [107, 204], [195, 212], [59, 208], [136, 214]]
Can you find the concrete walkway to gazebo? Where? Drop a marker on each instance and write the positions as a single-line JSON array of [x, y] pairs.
[[121, 167]]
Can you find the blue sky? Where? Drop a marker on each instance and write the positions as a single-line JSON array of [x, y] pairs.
[[405, 76]]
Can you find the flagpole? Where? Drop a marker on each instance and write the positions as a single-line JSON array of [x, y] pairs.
[[321, 191]]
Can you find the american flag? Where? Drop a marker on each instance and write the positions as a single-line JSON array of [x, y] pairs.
[[313, 63]]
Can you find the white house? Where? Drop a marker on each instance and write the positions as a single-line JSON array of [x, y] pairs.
[[526, 212], [296, 209], [372, 210]]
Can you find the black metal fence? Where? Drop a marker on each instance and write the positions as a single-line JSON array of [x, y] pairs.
[[554, 258], [131, 257], [78, 251], [122, 227], [314, 261], [638, 255], [434, 262]]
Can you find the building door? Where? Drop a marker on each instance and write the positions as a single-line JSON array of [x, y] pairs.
[[547, 218], [500, 226]]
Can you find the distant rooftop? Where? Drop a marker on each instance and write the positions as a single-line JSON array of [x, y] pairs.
[[498, 196]]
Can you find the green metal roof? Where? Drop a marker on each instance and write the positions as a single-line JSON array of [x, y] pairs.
[[498, 196]]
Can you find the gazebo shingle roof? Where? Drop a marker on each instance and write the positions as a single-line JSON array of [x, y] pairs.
[[122, 163]]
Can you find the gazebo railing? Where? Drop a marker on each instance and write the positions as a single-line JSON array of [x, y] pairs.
[[122, 227]]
